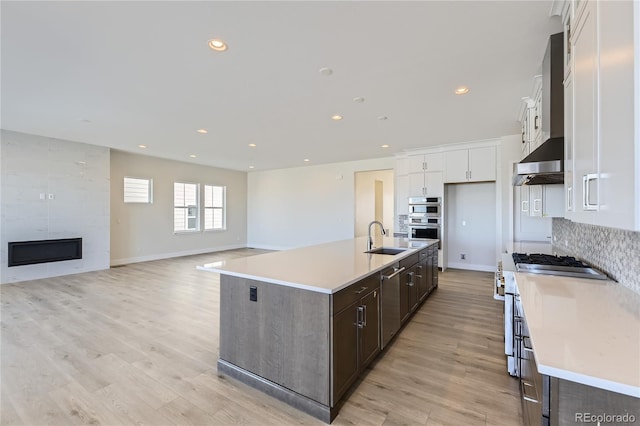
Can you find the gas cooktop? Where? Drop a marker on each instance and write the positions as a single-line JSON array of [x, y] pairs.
[[555, 265]]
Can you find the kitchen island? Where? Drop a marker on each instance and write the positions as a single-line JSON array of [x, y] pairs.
[[302, 324]]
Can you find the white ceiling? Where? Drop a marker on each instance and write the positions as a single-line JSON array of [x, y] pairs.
[[142, 73]]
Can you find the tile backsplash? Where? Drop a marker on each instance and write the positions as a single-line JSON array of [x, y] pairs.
[[614, 251]]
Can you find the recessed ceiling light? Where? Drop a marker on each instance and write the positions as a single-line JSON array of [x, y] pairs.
[[306, 160], [252, 167], [142, 146], [203, 131], [461, 90], [336, 117], [192, 155], [325, 71], [382, 117], [217, 45], [384, 146], [252, 145], [358, 100]]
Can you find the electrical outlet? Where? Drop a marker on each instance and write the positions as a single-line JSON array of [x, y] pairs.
[[253, 294], [463, 256]]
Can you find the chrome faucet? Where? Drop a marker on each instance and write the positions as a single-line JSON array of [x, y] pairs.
[[370, 240]]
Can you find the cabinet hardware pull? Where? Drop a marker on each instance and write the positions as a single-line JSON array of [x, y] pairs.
[[361, 290], [364, 315], [360, 316], [569, 198], [539, 201], [535, 122], [395, 272], [527, 347], [469, 174], [586, 186], [525, 206], [524, 386], [410, 282]]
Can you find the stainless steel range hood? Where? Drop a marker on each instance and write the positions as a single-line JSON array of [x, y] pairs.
[[543, 166]]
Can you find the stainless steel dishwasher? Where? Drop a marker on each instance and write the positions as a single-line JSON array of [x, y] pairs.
[[390, 290]]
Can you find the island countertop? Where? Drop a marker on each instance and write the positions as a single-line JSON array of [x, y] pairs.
[[324, 268]]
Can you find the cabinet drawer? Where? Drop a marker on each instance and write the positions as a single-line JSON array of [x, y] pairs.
[[354, 292], [410, 261]]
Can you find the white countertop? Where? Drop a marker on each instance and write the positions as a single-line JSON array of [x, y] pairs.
[[325, 268], [585, 331]]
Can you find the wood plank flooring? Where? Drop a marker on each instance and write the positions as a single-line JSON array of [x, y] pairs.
[[138, 344]]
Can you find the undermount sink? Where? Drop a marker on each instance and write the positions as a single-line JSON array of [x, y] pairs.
[[386, 250]]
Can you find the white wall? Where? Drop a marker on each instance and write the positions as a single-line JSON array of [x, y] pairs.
[[304, 205], [77, 176], [141, 232], [471, 225], [366, 198]]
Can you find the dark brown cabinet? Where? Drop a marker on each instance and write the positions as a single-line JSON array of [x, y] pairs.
[[423, 274], [356, 332]]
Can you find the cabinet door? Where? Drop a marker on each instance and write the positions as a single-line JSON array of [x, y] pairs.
[[434, 187], [370, 330], [402, 195], [433, 162], [535, 200], [406, 278], [617, 178], [433, 266], [553, 200], [482, 164], [569, 183], [456, 166], [345, 349], [416, 163], [536, 125], [585, 125], [413, 288], [423, 274], [402, 166], [416, 185]]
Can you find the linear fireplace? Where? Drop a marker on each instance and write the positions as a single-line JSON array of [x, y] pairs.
[[43, 251]]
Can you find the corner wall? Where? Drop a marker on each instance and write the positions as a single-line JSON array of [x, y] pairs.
[[73, 178], [141, 232]]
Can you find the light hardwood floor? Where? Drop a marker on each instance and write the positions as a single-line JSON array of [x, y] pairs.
[[138, 344]]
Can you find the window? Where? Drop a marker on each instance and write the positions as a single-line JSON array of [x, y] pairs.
[[214, 201], [137, 190], [185, 207]]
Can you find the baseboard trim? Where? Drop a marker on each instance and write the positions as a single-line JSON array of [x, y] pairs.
[[269, 247], [125, 261], [472, 267], [300, 402]]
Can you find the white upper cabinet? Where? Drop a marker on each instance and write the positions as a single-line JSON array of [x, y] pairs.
[[601, 183], [425, 175], [470, 165], [425, 163], [427, 184], [402, 194]]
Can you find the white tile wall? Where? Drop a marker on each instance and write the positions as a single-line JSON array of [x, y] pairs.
[[79, 177]]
